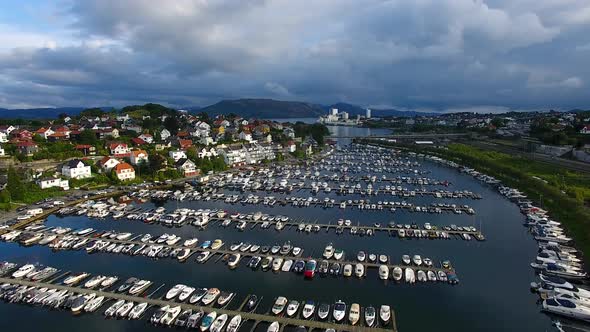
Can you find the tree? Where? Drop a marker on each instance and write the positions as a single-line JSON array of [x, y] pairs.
[[87, 137], [38, 138], [5, 196], [171, 123], [15, 185]]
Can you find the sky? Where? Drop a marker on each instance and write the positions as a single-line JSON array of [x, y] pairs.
[[432, 55]]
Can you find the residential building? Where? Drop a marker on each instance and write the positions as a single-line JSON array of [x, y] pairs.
[[138, 156], [3, 137], [28, 148], [207, 153], [108, 163], [206, 140], [187, 167], [585, 130], [44, 132], [164, 134], [291, 147], [177, 154], [289, 132], [119, 149], [125, 171], [46, 183], [245, 136], [76, 169], [147, 138]]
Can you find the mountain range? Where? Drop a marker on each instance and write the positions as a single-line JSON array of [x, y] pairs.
[[246, 107]]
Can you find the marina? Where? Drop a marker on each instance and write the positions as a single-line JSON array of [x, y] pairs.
[[338, 233]]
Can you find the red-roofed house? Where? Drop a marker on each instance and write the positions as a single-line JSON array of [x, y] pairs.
[[44, 132], [58, 136], [149, 139], [125, 171], [185, 143], [27, 148], [138, 141], [22, 134], [119, 149], [107, 163], [291, 146], [86, 149], [138, 156]]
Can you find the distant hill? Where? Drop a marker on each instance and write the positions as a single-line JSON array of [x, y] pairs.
[[38, 113], [265, 108]]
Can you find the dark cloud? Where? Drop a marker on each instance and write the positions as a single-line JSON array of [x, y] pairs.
[[436, 54]]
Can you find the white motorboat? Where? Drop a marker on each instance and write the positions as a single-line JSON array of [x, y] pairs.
[[383, 272], [370, 316], [329, 251], [191, 242], [397, 273], [81, 302], [186, 292], [23, 271], [277, 263], [139, 287], [385, 313], [234, 324], [113, 308], [567, 308], [273, 327], [308, 309], [94, 304], [410, 276], [292, 308], [359, 270], [339, 311], [279, 305], [174, 291], [354, 313], [417, 260], [138, 310], [94, 281], [210, 296], [170, 315], [233, 260], [207, 321], [124, 310], [361, 256], [218, 323]]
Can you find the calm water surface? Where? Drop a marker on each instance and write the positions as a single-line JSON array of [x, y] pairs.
[[493, 294]]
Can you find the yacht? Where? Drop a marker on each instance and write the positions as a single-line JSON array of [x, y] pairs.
[[81, 301], [339, 311], [94, 304], [197, 295], [174, 291], [279, 305], [157, 316], [191, 242], [370, 316], [410, 276], [110, 312], [329, 251], [94, 281], [308, 309], [567, 308], [218, 323], [207, 321], [124, 310], [76, 278], [170, 315], [193, 320], [127, 284], [108, 282], [383, 272], [185, 293], [397, 273], [23, 271], [139, 287], [138, 310], [354, 313]]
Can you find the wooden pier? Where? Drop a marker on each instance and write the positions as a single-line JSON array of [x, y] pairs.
[[257, 318]]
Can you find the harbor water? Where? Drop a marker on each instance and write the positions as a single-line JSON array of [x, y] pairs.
[[493, 293]]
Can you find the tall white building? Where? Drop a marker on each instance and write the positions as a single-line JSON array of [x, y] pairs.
[[334, 111], [368, 115]]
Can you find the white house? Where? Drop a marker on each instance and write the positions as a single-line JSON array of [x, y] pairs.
[[125, 171], [289, 132], [291, 146], [245, 136], [187, 167], [207, 153], [7, 129], [3, 137], [45, 132], [206, 140], [119, 149], [107, 163], [123, 118], [203, 125], [76, 169], [138, 156], [147, 138], [176, 154], [53, 182], [585, 130], [164, 134]]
